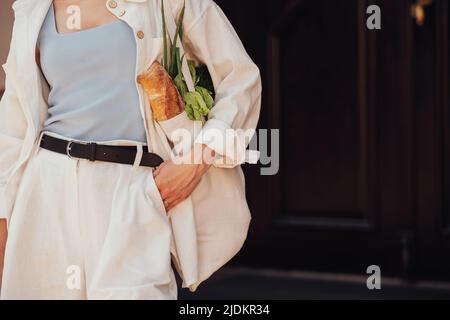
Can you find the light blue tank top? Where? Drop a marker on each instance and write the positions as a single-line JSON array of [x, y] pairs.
[[91, 74]]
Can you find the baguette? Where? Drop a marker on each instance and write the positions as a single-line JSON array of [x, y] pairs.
[[164, 98]]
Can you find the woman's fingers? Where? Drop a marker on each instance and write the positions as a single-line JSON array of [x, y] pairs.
[[170, 200], [158, 170], [176, 182], [171, 203], [167, 206], [175, 198]]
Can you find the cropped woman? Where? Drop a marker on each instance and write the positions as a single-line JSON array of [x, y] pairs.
[[88, 208]]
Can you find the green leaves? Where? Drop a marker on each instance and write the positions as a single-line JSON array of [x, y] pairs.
[[197, 103], [175, 66], [206, 95], [193, 71], [204, 79], [165, 42], [181, 85], [171, 58]]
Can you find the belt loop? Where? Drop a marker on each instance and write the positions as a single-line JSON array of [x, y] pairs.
[[136, 164], [37, 146], [139, 154]]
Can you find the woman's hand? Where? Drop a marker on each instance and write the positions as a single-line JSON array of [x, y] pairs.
[[176, 182]]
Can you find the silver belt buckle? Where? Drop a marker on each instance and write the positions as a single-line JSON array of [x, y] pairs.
[[69, 146]]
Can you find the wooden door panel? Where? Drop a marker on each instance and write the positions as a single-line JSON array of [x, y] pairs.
[[321, 99], [432, 140], [339, 94], [320, 113]]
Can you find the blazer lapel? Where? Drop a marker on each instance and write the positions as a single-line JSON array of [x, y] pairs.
[[29, 15]]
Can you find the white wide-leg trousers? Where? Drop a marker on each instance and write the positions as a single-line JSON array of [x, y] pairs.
[[88, 230]]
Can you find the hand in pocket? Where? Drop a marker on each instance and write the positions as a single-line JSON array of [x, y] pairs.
[[176, 182]]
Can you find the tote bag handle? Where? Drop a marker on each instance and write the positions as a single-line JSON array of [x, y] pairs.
[[171, 30]]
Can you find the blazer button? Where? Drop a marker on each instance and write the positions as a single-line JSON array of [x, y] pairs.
[[112, 4], [121, 13], [140, 34]]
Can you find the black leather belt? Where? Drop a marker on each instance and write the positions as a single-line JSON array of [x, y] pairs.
[[93, 151]]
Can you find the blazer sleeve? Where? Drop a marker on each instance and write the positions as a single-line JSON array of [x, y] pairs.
[[232, 121], [210, 39], [13, 129]]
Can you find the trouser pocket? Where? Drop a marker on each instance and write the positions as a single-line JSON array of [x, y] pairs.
[[135, 260], [154, 194]]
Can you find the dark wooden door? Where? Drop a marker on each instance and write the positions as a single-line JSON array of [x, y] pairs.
[[363, 118], [430, 81]]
